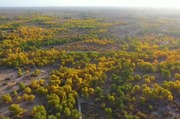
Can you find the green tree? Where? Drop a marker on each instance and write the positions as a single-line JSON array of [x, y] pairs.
[[152, 78], [52, 117], [67, 111], [137, 77], [108, 112], [19, 72], [166, 73], [27, 90], [135, 88], [58, 115], [15, 109], [59, 108], [39, 112], [75, 114], [22, 86], [42, 91], [29, 98], [177, 76], [15, 93], [53, 99], [111, 98], [6, 98], [147, 67], [98, 91]]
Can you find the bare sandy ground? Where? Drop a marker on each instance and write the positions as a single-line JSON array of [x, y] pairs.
[[9, 81]]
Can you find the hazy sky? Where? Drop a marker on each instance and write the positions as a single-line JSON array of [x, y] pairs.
[[134, 3]]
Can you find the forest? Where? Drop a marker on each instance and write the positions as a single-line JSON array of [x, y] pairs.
[[76, 65]]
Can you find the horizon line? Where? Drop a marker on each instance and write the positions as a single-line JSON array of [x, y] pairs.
[[148, 7]]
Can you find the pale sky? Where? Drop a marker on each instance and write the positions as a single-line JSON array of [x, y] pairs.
[[129, 3]]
